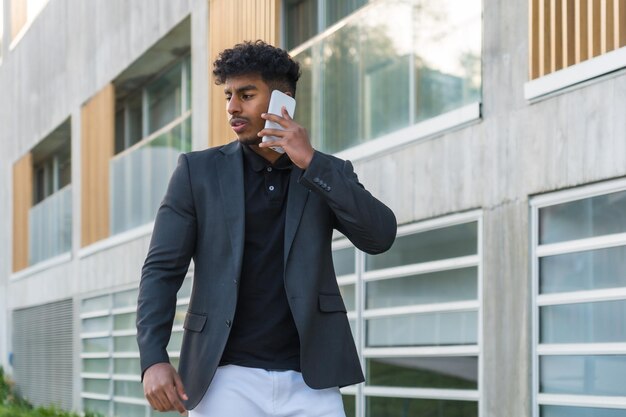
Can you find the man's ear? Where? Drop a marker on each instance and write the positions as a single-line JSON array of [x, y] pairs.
[[289, 93]]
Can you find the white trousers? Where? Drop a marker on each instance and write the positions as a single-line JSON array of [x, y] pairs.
[[237, 391]]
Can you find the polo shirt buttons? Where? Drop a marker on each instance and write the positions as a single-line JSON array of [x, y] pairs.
[[269, 169], [271, 188]]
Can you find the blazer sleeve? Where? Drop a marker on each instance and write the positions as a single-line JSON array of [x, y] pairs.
[[171, 248], [368, 223]]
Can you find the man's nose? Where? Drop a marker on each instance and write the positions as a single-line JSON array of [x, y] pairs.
[[233, 106]]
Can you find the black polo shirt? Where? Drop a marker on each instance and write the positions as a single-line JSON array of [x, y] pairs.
[[264, 334]]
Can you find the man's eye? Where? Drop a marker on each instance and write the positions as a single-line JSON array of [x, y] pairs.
[[247, 96], [228, 98]]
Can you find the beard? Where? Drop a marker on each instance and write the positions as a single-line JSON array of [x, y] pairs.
[[250, 140]]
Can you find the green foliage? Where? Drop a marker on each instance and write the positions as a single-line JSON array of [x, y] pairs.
[[12, 405]]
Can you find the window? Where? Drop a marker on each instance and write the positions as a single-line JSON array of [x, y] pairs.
[[152, 127], [579, 302], [23, 13], [111, 372], [50, 217], [415, 312], [570, 42], [379, 69]]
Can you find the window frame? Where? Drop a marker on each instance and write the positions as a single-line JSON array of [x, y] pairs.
[[362, 277], [568, 298]]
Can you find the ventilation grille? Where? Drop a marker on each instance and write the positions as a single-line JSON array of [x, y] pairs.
[[42, 353]]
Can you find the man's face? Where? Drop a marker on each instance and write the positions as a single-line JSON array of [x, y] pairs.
[[247, 96]]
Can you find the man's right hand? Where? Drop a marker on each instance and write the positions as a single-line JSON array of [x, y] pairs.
[[164, 389]]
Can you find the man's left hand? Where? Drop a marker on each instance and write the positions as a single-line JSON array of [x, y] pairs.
[[294, 139]]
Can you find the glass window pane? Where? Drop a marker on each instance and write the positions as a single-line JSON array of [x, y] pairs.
[[175, 362], [584, 322], [96, 304], [96, 386], [388, 407], [185, 289], [352, 327], [97, 345], [343, 260], [436, 287], [337, 10], [179, 317], [96, 406], [129, 410], [164, 99], [96, 324], [124, 321], [596, 216], [125, 344], [98, 366], [128, 389], [428, 372], [349, 405], [432, 245], [300, 21], [589, 270], [125, 298], [585, 375], [348, 294], [176, 341], [430, 329], [563, 411], [133, 128], [126, 366]]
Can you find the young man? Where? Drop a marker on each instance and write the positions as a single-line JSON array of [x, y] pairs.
[[266, 333]]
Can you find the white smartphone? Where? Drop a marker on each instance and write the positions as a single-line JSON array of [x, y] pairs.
[[278, 99]]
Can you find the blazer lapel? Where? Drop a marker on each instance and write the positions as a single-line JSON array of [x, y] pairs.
[[296, 199], [230, 174]]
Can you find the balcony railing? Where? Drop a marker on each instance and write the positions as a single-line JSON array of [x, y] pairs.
[[50, 226], [139, 175]]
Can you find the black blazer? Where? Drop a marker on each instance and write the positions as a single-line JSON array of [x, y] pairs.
[[202, 217]]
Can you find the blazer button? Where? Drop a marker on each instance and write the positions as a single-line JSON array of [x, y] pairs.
[[316, 180], [328, 188], [228, 323]]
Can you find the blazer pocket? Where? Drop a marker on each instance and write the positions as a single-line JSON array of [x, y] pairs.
[[331, 303], [194, 322]]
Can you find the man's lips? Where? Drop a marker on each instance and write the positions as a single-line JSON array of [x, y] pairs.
[[238, 125]]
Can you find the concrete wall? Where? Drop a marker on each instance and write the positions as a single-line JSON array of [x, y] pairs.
[[68, 54]]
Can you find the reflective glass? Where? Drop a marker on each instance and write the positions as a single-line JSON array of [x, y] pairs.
[[584, 375], [343, 260], [128, 389], [129, 410], [395, 407], [563, 411], [382, 70], [348, 294], [352, 327], [596, 216], [349, 405], [175, 362], [125, 344], [589, 270], [96, 406], [50, 226], [124, 321], [97, 345], [584, 322], [429, 329], [164, 99], [126, 366], [185, 289], [125, 298], [436, 287], [179, 316], [431, 245], [97, 366], [96, 324], [427, 372], [176, 341], [96, 386], [96, 304]]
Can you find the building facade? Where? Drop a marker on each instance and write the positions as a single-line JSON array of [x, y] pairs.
[[495, 130]]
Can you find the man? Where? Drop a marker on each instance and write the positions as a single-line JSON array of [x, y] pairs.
[[266, 333]]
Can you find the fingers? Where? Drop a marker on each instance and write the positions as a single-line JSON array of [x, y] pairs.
[[164, 389], [272, 132], [283, 121], [286, 116], [174, 400]]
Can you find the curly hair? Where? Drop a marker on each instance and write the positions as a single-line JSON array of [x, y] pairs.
[[274, 65]]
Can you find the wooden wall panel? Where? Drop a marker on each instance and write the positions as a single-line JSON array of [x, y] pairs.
[[606, 23], [593, 27], [19, 16], [22, 202], [569, 34], [581, 43], [97, 147], [556, 36], [533, 39], [620, 23], [544, 37], [231, 22]]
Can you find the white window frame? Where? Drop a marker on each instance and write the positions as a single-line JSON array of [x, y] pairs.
[[575, 76], [360, 279], [29, 22], [572, 246]]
